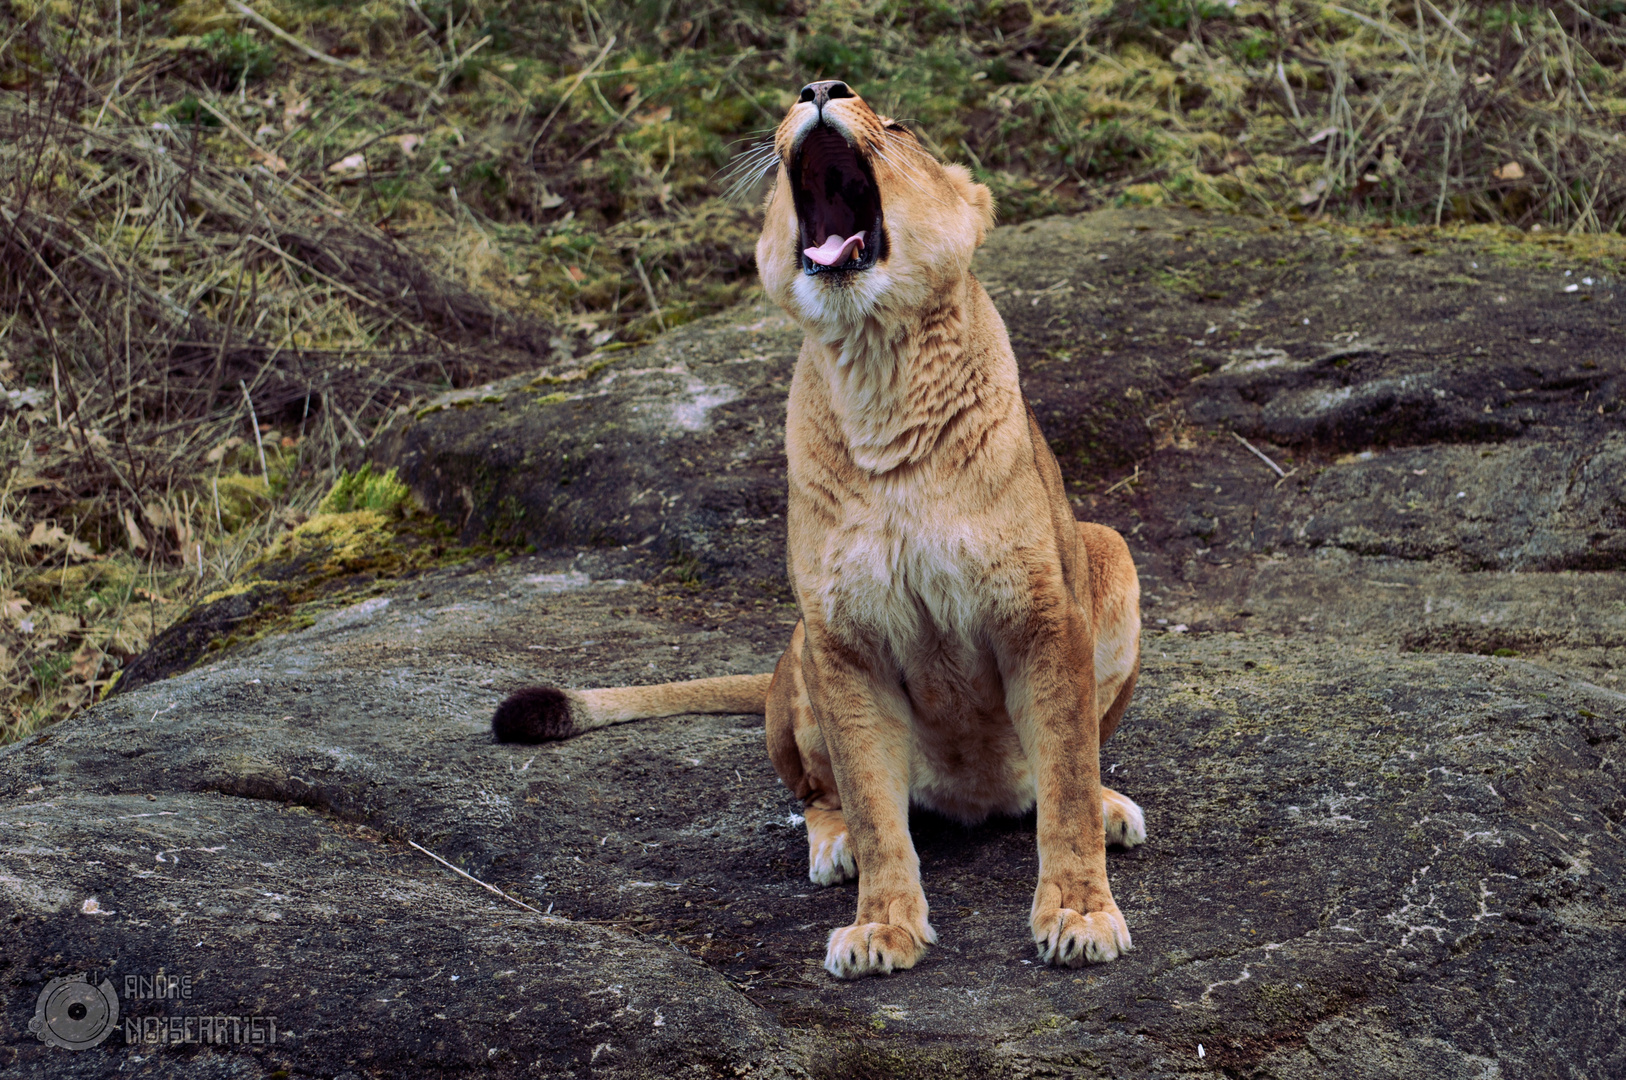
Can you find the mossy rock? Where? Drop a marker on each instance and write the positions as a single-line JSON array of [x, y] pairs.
[[366, 535]]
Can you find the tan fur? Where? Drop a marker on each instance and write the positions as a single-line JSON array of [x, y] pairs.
[[615, 705], [965, 645]]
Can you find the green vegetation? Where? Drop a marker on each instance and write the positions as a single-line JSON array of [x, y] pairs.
[[382, 494], [296, 218]]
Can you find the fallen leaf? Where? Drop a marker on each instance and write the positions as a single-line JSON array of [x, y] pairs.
[[12, 607], [81, 551], [47, 536], [1512, 170], [26, 399], [576, 274], [355, 163], [654, 116]]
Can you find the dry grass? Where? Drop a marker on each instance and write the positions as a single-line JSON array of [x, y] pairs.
[[234, 238], [196, 341]]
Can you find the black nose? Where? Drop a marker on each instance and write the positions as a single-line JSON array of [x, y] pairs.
[[821, 92]]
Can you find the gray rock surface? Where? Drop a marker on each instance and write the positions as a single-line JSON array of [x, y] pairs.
[[1376, 849], [675, 450]]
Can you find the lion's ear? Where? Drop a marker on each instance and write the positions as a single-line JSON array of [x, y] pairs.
[[977, 196]]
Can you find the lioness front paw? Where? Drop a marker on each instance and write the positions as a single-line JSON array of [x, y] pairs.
[[1068, 938], [1124, 822], [875, 949]]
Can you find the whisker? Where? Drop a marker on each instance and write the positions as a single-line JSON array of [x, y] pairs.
[[745, 185], [755, 150], [746, 171], [898, 163], [755, 140]]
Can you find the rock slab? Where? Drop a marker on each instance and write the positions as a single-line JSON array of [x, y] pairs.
[[1377, 735]]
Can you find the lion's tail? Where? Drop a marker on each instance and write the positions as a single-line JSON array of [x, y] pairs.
[[538, 714]]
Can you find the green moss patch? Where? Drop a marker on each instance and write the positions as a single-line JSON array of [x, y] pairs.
[[367, 536]]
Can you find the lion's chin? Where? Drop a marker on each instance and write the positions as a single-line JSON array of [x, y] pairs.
[[841, 229]]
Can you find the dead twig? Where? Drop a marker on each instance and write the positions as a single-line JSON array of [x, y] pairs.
[[1260, 454], [649, 290], [258, 442], [316, 54], [1130, 479], [637, 100], [489, 888], [263, 156], [530, 152]]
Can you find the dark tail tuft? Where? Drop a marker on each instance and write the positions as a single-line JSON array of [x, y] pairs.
[[535, 714]]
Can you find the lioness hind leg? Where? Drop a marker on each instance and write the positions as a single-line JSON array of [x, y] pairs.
[[1122, 819], [1114, 606], [799, 755], [829, 855], [1115, 603]]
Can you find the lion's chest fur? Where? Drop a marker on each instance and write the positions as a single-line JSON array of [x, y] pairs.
[[927, 589], [922, 569]]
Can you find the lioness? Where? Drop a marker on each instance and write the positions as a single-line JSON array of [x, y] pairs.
[[964, 643]]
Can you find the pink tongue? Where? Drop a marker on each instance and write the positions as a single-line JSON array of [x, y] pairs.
[[835, 250]]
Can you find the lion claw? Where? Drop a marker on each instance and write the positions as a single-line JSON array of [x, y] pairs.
[[875, 949], [1069, 939]]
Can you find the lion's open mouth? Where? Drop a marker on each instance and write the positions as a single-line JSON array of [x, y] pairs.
[[838, 205]]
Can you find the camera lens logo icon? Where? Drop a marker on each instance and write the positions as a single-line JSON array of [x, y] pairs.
[[73, 1014]]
